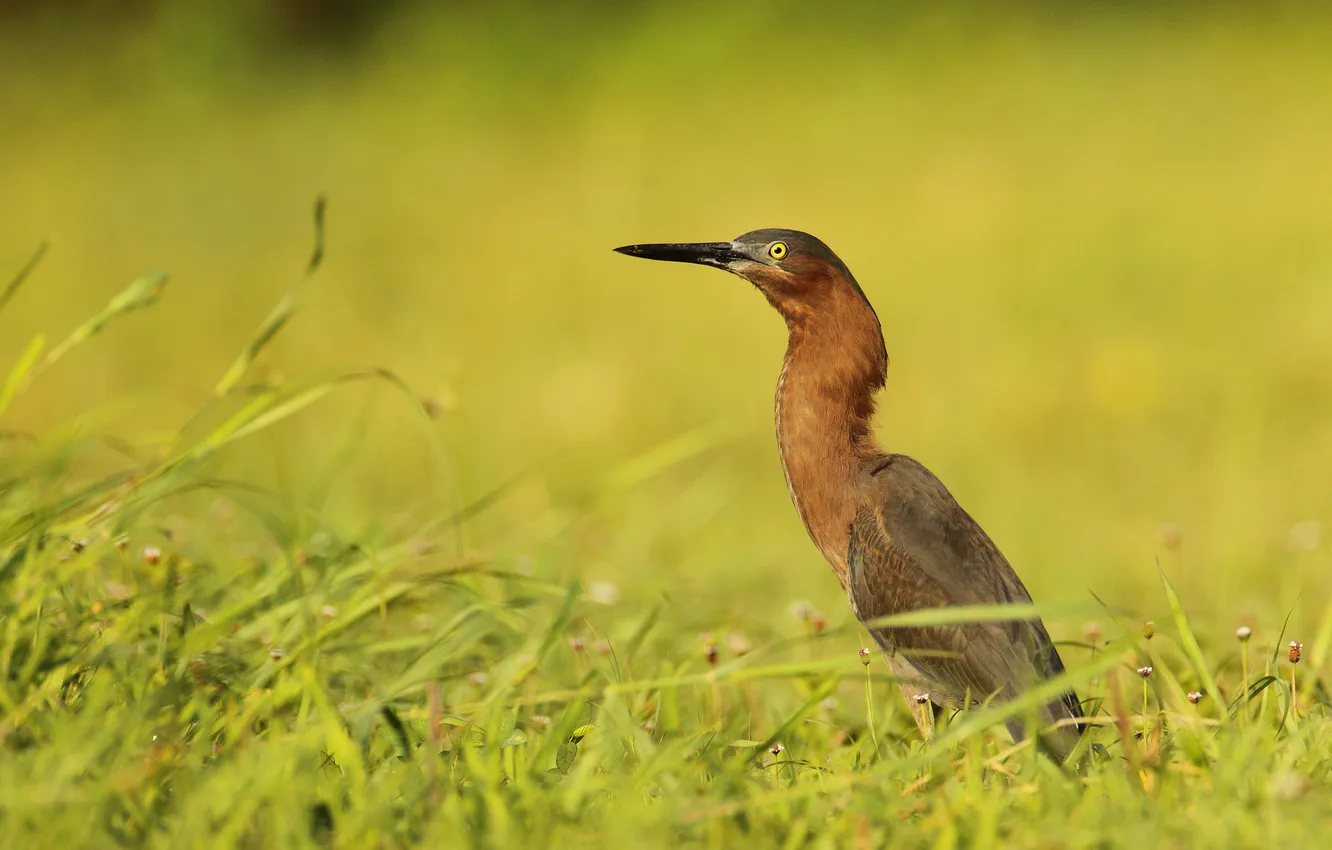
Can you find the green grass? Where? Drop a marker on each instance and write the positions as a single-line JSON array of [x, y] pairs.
[[250, 674], [435, 549]]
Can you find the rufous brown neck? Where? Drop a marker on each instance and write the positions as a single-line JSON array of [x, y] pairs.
[[835, 363]]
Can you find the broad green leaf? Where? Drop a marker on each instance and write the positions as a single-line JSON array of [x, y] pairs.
[[564, 757]]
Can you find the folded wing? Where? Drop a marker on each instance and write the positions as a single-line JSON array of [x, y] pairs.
[[913, 547]]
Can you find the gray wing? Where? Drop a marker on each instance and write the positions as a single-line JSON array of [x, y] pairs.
[[912, 547]]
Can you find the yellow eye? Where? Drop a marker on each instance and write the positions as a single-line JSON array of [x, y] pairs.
[[777, 250]]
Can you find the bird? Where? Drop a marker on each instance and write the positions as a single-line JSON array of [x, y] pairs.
[[896, 538]]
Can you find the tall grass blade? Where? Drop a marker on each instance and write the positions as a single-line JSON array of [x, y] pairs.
[[955, 614], [1188, 641], [1281, 637], [19, 374], [142, 293], [280, 315], [661, 457], [12, 287]]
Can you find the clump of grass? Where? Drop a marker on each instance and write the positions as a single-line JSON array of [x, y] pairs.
[[275, 680]]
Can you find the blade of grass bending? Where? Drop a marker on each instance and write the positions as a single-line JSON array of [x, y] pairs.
[[264, 410], [13, 286], [275, 404], [1187, 639], [1281, 635], [280, 315], [954, 614], [660, 457], [143, 292], [1261, 684], [1292, 695], [276, 413], [839, 668], [27, 360], [138, 295]]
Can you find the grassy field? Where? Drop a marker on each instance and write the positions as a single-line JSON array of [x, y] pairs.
[[479, 537]]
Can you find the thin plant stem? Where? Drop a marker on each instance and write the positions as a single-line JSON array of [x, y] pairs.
[[1145, 722], [714, 700], [1244, 685], [869, 711], [1294, 695]]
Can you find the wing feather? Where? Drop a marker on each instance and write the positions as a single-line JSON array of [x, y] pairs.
[[914, 547]]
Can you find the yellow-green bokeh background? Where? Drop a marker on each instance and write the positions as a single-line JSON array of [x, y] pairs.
[[1100, 243]]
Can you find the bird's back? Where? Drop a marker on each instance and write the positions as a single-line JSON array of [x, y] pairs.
[[913, 547]]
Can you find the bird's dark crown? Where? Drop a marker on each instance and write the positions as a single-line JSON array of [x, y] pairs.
[[799, 243]]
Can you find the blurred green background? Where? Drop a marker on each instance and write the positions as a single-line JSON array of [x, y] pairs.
[[1098, 237]]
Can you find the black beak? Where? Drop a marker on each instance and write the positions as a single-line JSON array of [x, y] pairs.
[[720, 254]]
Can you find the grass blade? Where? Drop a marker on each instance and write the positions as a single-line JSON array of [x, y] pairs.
[[278, 412], [280, 315], [18, 375], [13, 286], [954, 614], [142, 293], [1189, 642]]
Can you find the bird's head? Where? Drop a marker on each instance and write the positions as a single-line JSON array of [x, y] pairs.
[[798, 273]]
